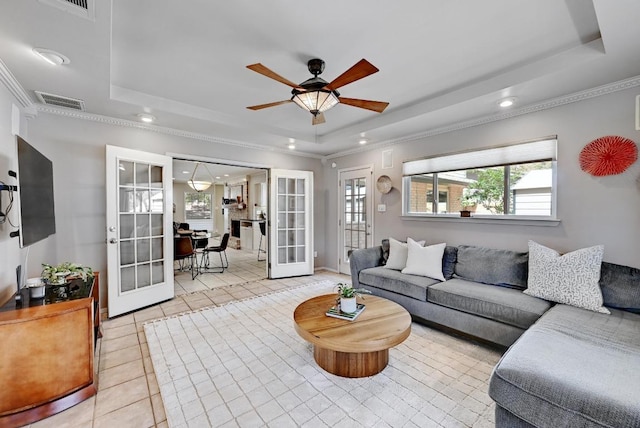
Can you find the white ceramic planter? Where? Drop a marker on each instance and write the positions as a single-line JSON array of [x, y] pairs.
[[37, 292], [348, 305]]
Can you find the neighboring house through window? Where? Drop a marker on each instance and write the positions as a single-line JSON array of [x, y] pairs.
[[514, 180]]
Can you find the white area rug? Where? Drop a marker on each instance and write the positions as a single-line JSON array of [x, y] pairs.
[[243, 364]]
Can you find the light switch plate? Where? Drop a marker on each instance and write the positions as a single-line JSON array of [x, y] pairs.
[[382, 208]]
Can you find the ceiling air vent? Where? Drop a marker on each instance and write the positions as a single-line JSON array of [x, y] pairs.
[[60, 101], [83, 8]]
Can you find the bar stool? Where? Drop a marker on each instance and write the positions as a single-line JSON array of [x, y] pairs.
[[263, 232]]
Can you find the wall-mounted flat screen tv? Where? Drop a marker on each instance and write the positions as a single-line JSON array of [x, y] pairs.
[[35, 187]]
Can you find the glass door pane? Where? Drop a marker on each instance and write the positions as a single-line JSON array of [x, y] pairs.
[[354, 216], [141, 224], [290, 242]]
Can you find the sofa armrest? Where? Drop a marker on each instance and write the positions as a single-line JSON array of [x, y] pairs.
[[363, 259]]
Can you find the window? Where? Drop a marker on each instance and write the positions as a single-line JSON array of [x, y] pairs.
[[515, 180], [197, 206]]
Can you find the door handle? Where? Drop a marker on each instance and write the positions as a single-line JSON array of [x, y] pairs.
[[113, 241]]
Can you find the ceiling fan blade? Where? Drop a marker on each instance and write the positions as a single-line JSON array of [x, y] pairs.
[[318, 119], [259, 68], [261, 106], [377, 106], [361, 69]]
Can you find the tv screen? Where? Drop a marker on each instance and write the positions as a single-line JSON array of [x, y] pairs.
[[35, 186]]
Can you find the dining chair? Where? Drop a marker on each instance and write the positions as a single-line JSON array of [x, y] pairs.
[[220, 249], [183, 251]]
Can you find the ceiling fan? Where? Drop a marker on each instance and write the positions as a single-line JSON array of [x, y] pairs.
[[316, 95]]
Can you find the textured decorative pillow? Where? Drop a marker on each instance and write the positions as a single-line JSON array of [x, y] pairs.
[[398, 254], [571, 279], [424, 261]]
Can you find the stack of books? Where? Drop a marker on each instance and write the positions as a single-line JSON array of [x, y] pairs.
[[335, 312]]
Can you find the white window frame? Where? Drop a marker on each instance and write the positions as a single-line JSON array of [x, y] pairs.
[[539, 150]]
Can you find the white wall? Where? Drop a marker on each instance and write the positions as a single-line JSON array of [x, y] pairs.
[[10, 253], [593, 210], [77, 150], [9, 248]]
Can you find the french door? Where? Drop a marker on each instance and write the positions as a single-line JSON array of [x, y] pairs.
[[139, 229], [290, 223], [356, 213]]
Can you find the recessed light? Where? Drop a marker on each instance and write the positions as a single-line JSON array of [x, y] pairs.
[[507, 102], [291, 146], [186, 172], [226, 175], [51, 57], [217, 177], [292, 140], [362, 141], [146, 118]]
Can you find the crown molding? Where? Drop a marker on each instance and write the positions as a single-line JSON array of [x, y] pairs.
[[14, 87], [74, 114], [546, 105], [598, 91]]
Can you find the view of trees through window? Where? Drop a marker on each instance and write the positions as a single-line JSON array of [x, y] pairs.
[[522, 189]]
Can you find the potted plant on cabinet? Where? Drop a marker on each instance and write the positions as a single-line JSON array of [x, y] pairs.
[[347, 297], [61, 273]]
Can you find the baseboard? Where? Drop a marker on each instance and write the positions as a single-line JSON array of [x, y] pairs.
[[325, 268]]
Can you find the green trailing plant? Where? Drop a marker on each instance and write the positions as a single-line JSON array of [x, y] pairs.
[[347, 291], [52, 274]]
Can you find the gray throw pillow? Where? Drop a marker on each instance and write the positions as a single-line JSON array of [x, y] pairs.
[[385, 252], [490, 266], [620, 287], [449, 261]]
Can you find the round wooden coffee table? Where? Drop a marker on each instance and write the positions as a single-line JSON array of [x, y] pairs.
[[356, 348]]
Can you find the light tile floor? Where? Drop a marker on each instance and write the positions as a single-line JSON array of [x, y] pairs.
[[128, 393]]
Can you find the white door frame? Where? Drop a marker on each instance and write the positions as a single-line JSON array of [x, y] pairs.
[[292, 264], [368, 170], [120, 302]]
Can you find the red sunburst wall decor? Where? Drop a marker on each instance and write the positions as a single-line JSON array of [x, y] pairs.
[[608, 155]]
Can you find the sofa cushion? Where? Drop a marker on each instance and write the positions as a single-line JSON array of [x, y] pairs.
[[385, 252], [398, 252], [491, 266], [502, 304], [620, 287], [571, 279], [391, 280], [573, 368], [425, 261], [449, 259]]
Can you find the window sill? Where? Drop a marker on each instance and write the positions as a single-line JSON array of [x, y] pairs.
[[480, 219]]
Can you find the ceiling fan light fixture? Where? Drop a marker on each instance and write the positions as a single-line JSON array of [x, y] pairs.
[[316, 101]]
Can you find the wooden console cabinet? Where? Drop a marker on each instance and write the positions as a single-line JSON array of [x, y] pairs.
[[47, 356]]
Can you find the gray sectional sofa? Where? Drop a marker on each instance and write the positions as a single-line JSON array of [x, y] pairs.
[[565, 366]]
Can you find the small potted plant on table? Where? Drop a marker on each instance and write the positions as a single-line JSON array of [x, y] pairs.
[[57, 275], [347, 297]]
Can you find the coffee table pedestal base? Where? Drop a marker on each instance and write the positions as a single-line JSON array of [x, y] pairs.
[[351, 364]]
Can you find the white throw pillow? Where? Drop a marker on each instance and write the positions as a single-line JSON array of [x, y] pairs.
[[425, 261], [398, 254], [571, 279]]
